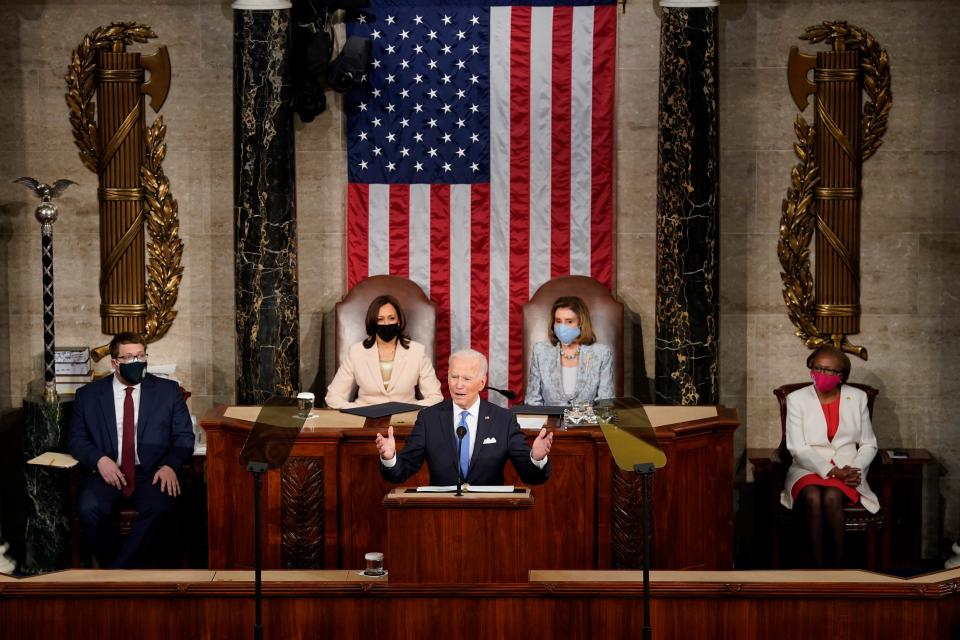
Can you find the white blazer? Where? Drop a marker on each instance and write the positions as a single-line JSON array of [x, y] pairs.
[[854, 445], [361, 369]]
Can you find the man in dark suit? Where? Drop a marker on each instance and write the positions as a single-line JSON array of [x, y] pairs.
[[492, 436], [131, 433]]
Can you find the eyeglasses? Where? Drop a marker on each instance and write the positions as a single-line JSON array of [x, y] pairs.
[[129, 359], [826, 370]]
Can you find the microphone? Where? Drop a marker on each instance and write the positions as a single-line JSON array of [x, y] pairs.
[[506, 393], [461, 432]]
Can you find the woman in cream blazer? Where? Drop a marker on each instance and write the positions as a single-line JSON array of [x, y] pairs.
[[827, 472], [386, 367]]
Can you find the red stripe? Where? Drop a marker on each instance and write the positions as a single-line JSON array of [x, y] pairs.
[[440, 272], [357, 222], [480, 268], [560, 141], [519, 186], [604, 66], [399, 230]]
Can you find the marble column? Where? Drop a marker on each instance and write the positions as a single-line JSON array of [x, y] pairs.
[[688, 199], [265, 237], [48, 531]]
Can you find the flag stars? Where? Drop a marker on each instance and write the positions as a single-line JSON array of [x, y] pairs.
[[390, 108], [375, 63], [391, 19], [363, 165], [474, 108], [447, 78], [474, 20], [461, 35], [461, 64], [432, 152], [474, 167], [362, 136], [446, 49], [461, 123], [404, 93], [446, 19], [431, 35], [432, 93], [474, 79], [404, 123], [461, 93], [376, 151], [375, 34], [446, 108], [375, 122], [390, 78], [375, 93], [404, 152], [432, 122], [404, 34], [390, 48], [461, 152], [418, 78], [418, 166], [362, 106], [418, 49], [391, 166], [391, 137], [475, 50], [362, 18], [417, 19], [446, 166], [446, 137], [418, 136], [404, 64], [474, 137], [432, 64], [418, 107]]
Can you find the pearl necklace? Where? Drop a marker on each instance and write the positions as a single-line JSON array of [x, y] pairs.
[[570, 356]]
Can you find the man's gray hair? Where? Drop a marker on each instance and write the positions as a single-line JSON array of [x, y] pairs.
[[470, 353]]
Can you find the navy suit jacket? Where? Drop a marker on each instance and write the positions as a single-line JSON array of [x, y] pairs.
[[164, 429], [434, 438]]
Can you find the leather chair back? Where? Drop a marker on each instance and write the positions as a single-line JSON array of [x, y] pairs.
[[351, 312], [606, 315]]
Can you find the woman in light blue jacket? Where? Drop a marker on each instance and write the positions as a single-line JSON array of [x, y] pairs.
[[571, 366]]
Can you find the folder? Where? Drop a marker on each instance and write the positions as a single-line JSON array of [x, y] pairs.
[[382, 410]]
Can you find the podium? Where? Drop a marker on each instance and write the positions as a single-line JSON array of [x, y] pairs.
[[441, 538]]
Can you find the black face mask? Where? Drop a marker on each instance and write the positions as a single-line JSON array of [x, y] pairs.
[[388, 332], [133, 372]]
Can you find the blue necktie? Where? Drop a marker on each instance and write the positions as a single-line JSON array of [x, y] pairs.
[[465, 446]]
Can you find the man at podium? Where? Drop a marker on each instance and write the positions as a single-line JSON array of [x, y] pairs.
[[491, 436]]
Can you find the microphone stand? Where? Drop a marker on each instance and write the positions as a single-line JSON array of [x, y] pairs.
[[461, 432], [257, 469]]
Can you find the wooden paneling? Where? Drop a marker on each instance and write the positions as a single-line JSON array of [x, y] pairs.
[[693, 498], [723, 606]]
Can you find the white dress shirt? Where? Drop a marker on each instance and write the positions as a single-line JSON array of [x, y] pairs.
[[119, 396]]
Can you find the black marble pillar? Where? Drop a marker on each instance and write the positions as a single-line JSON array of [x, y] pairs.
[[688, 190], [48, 531], [265, 237]]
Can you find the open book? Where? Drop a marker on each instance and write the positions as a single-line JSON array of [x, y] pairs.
[[506, 488]]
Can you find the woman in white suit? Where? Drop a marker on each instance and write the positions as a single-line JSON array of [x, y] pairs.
[[831, 439], [387, 366], [571, 366]]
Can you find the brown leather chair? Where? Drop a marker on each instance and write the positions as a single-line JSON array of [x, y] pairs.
[[351, 313], [856, 518], [606, 315]]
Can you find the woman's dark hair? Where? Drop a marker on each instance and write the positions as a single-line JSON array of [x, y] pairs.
[[374, 310], [839, 355], [579, 307]]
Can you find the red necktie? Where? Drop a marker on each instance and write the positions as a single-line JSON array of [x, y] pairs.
[[127, 455]]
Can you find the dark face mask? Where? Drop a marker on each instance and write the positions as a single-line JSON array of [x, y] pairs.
[[388, 332], [133, 372]]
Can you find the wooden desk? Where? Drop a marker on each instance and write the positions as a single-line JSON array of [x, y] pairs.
[[729, 605], [447, 539], [324, 509]]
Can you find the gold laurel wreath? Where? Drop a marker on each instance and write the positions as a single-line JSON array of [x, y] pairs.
[[798, 218], [165, 248]]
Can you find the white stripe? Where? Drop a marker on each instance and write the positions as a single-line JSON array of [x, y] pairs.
[[581, 141], [459, 266], [420, 236], [499, 197], [378, 231], [541, 71]]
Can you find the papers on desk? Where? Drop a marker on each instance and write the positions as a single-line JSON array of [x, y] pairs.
[[507, 488], [53, 459], [532, 422]]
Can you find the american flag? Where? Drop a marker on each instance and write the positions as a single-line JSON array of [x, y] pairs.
[[480, 159]]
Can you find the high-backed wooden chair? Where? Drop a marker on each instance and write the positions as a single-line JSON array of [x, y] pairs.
[[606, 314], [856, 518], [351, 312]]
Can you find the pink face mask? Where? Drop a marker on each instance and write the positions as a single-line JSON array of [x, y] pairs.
[[825, 382]]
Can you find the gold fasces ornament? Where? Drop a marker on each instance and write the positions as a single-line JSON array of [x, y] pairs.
[[105, 94], [825, 191]]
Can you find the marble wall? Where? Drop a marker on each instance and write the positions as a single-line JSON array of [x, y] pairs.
[[911, 231]]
